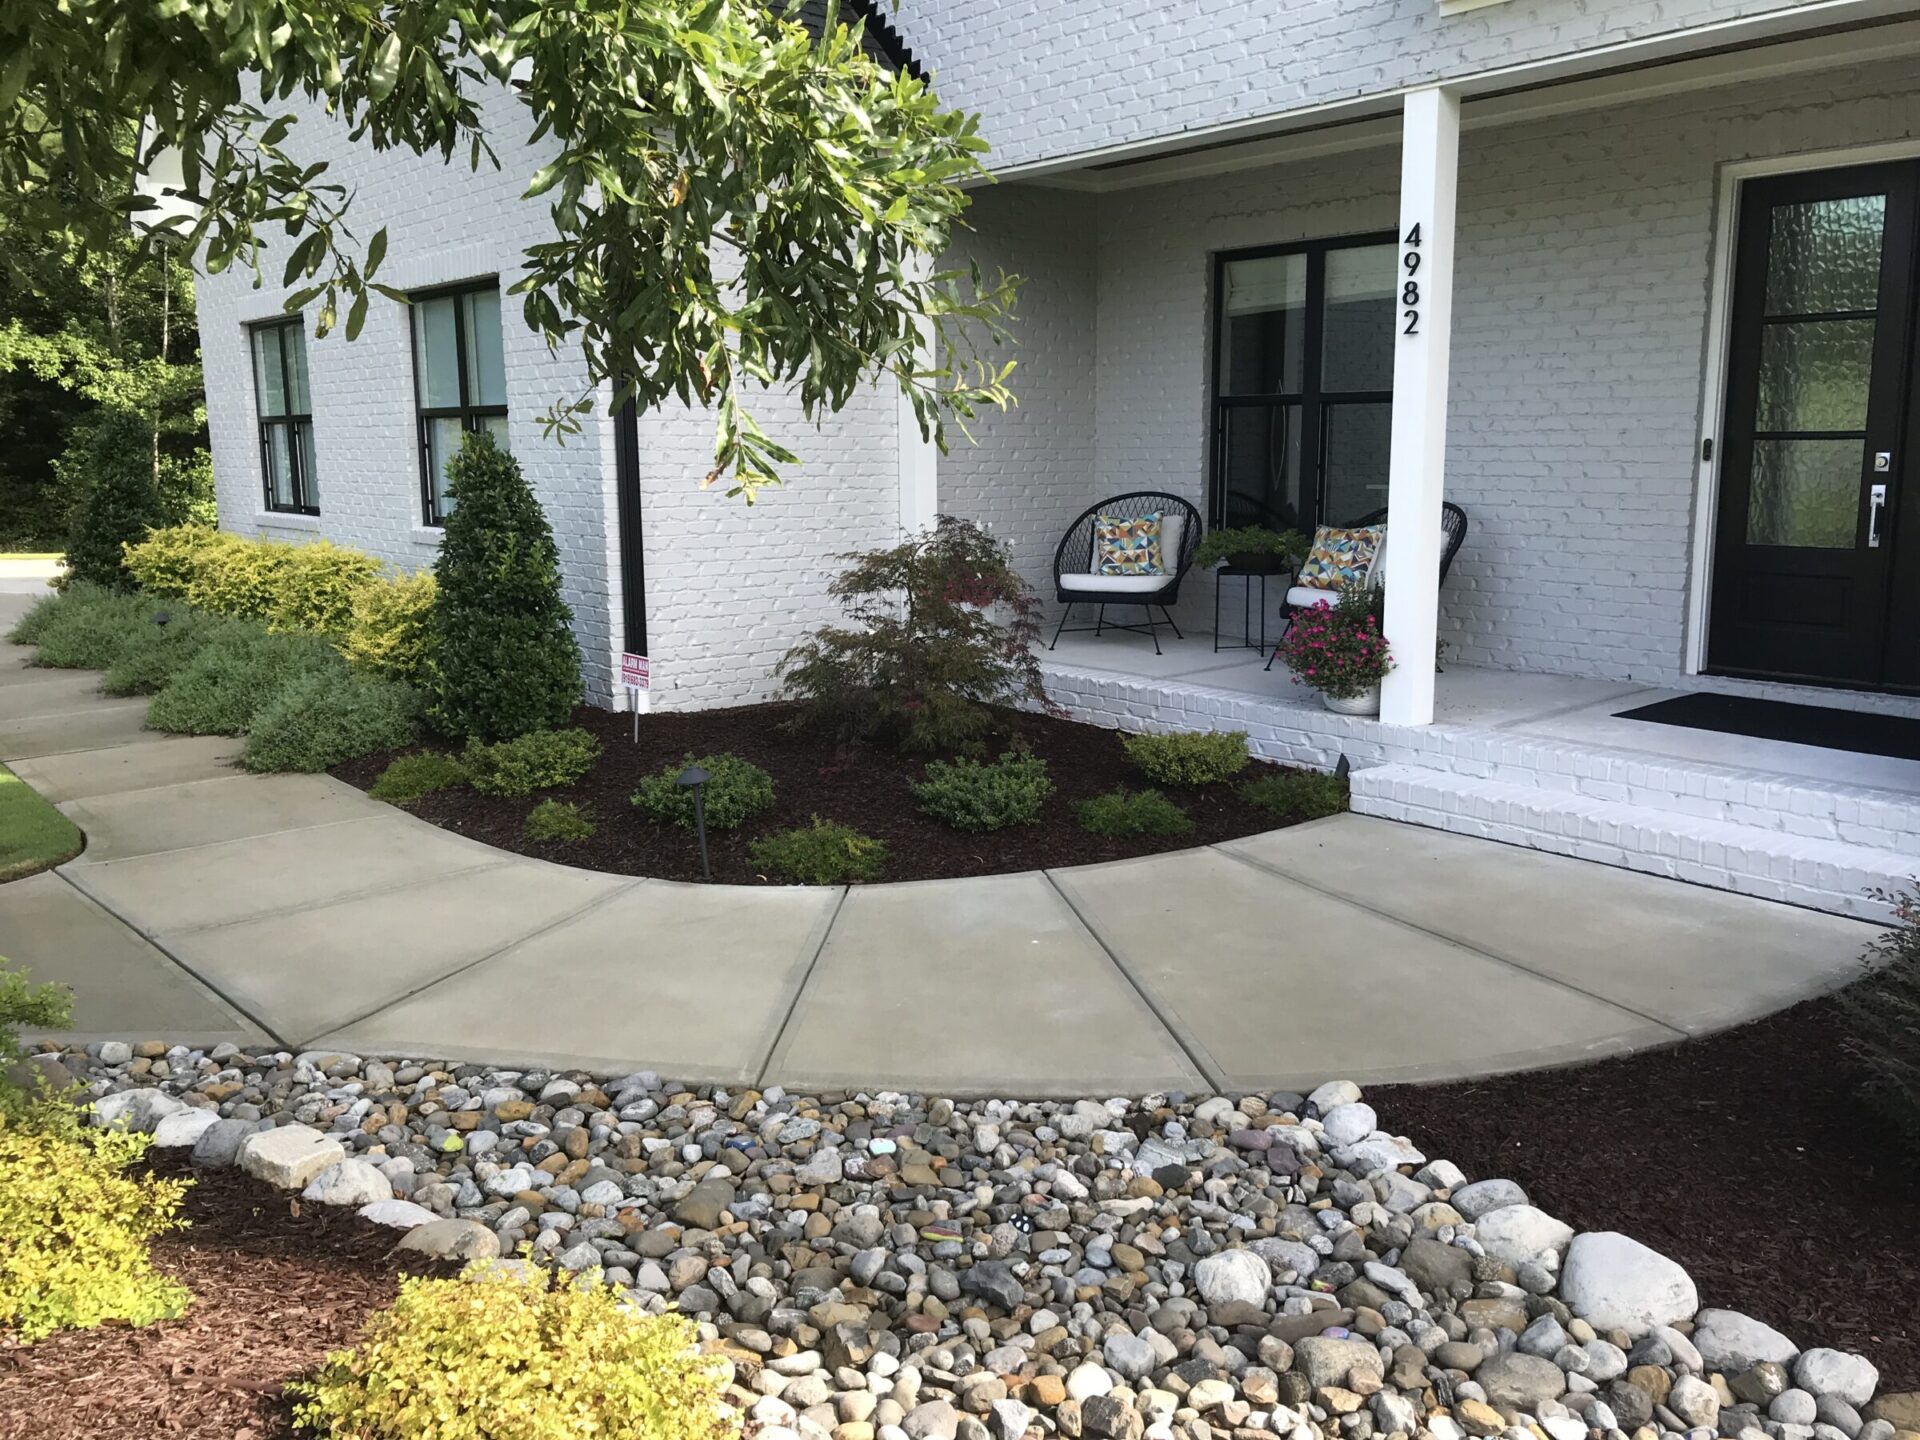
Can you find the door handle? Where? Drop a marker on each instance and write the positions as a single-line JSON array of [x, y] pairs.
[[1876, 507]]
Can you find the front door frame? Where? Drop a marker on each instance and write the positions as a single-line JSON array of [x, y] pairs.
[[1718, 348]]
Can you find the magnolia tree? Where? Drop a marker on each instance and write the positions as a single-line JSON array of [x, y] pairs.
[[734, 205]]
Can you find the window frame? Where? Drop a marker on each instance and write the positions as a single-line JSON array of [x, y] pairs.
[[470, 416], [1311, 400], [306, 494]]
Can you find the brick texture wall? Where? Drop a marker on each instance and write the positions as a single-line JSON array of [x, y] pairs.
[[1073, 76]]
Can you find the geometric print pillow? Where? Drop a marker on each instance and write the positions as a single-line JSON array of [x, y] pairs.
[[1340, 557], [1127, 546]]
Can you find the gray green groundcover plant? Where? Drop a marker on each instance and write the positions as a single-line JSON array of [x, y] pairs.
[[1884, 1012]]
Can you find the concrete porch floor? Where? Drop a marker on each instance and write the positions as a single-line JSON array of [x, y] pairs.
[[294, 911], [1559, 707]]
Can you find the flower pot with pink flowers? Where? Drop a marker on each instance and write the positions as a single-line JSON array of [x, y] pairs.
[[1340, 650]]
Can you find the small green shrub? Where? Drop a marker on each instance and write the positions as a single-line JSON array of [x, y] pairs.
[[28, 629], [737, 791], [503, 1356], [1199, 759], [45, 1007], [411, 777], [823, 853], [990, 795], [319, 719], [537, 760], [87, 627], [1124, 813], [235, 675], [559, 822], [500, 647], [151, 653], [75, 1228], [1297, 794], [118, 501], [1883, 1013]]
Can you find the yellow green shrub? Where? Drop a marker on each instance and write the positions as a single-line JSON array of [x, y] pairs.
[[168, 561], [238, 576], [75, 1227], [315, 586], [500, 1356], [387, 631]]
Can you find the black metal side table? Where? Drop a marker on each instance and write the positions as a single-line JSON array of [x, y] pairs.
[[1238, 572]]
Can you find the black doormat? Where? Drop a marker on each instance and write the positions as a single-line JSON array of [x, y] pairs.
[[1861, 732]]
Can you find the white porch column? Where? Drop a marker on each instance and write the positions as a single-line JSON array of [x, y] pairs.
[[919, 459], [1429, 166]]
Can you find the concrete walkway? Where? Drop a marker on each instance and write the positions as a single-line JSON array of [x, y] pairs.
[[212, 905]]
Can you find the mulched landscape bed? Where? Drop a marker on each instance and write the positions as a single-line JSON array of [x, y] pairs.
[[1746, 1157], [275, 1287], [864, 786]]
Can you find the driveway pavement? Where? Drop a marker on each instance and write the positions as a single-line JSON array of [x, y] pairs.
[[211, 905]]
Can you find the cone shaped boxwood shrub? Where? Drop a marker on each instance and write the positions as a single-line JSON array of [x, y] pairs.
[[500, 1356], [118, 503], [737, 791], [503, 660]]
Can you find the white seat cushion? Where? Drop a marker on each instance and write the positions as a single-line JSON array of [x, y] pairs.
[[1305, 597], [1116, 584]]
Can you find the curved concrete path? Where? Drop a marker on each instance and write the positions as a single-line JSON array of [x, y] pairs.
[[210, 904]]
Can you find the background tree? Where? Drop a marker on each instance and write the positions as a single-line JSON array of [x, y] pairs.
[[500, 653], [734, 206], [116, 502]]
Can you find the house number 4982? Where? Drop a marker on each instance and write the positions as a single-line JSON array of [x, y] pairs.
[[1410, 287]]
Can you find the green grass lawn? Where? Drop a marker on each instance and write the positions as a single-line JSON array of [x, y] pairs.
[[33, 835]]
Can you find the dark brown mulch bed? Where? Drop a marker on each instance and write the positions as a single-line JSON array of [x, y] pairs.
[[1746, 1157], [863, 786], [273, 1293]]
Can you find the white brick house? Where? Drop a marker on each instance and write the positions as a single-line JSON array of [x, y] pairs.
[[1664, 322]]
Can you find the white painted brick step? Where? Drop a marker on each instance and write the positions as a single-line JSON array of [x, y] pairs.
[[1822, 874]]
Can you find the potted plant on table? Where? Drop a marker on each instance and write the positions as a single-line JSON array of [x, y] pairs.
[[1341, 650], [1250, 547]]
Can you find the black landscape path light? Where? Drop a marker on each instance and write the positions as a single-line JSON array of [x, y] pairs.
[[695, 779]]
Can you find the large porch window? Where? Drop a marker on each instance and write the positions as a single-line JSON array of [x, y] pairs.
[[1303, 382]]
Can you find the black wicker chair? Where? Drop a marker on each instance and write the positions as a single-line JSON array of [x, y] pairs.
[[1453, 531], [1075, 583]]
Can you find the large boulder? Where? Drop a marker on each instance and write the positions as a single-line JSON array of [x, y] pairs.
[[1483, 1197], [1614, 1282], [1835, 1372], [1732, 1343], [1232, 1275], [139, 1110], [452, 1240], [1519, 1381], [183, 1128], [348, 1182], [1328, 1360], [288, 1156], [1519, 1233]]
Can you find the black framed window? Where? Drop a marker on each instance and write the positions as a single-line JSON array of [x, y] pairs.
[[1303, 381], [460, 381], [290, 478]]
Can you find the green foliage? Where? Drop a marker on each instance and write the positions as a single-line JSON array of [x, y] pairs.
[[28, 629], [737, 791], [150, 653], [330, 714], [977, 796], [118, 502], [312, 587], [316, 587], [559, 822], [502, 656], [676, 132], [501, 1356], [939, 627], [387, 628], [23, 1003], [537, 760], [234, 676], [75, 1228], [1197, 759], [410, 777], [1298, 794], [1126, 813], [1883, 1012], [33, 835], [1217, 545], [86, 628], [823, 853]]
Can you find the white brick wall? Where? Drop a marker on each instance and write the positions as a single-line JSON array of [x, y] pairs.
[[1073, 76], [1579, 335]]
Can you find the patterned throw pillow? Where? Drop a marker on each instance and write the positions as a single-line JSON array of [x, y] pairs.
[[1340, 557], [1124, 546]]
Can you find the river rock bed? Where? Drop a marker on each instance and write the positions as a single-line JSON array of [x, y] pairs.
[[882, 1265]]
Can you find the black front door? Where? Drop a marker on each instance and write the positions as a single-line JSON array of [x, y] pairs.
[[1811, 560]]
